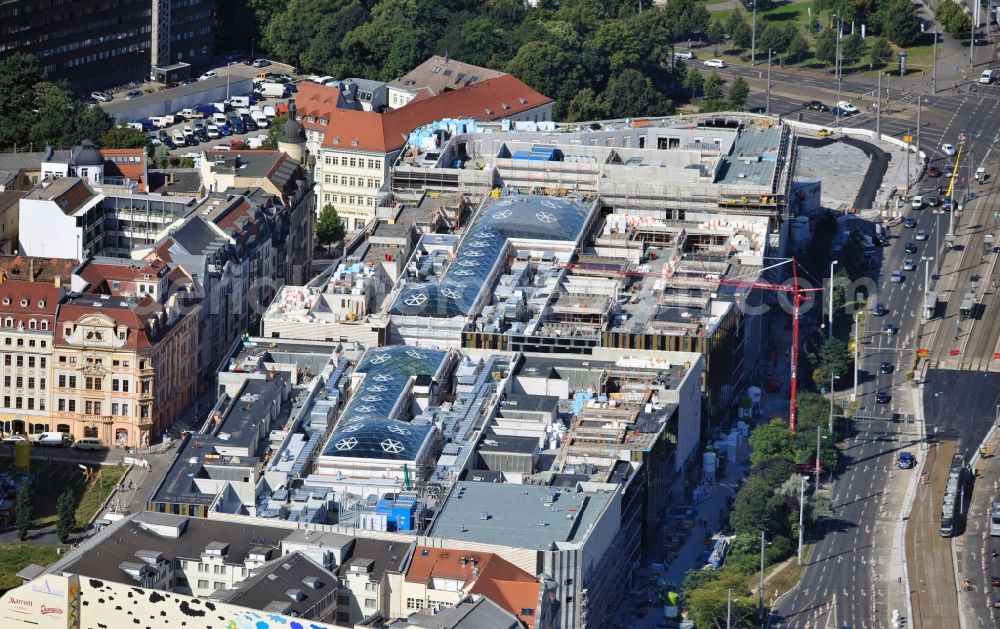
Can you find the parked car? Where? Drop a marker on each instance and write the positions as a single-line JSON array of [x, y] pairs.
[[909, 264], [202, 135], [225, 129], [948, 149], [248, 122], [15, 438], [133, 94], [261, 63], [212, 130], [921, 234], [53, 439], [211, 74], [933, 171], [100, 97], [815, 105], [225, 146], [714, 63], [885, 368], [882, 397]]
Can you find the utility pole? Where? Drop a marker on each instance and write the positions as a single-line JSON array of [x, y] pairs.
[[836, 63], [927, 282], [907, 162], [802, 511], [920, 102], [830, 319], [761, 592], [934, 65], [857, 343], [968, 181], [878, 107], [753, 36], [767, 106], [972, 35], [729, 608], [817, 459], [830, 428]]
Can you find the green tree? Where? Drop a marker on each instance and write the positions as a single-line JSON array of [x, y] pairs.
[[329, 228], [740, 33], [694, 81], [773, 37], [739, 91], [548, 69], [757, 507], [710, 606], [852, 49], [798, 47], [955, 20], [713, 87], [24, 512], [771, 441], [826, 46], [161, 156], [123, 138], [716, 35], [586, 105], [273, 131], [688, 17], [631, 94], [880, 52], [835, 358], [900, 23], [66, 514]]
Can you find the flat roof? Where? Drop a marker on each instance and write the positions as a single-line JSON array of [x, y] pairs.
[[518, 516], [754, 156]]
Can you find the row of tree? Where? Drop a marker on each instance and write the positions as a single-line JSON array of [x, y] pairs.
[[24, 514]]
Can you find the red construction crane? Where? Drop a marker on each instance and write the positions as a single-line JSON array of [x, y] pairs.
[[798, 298]]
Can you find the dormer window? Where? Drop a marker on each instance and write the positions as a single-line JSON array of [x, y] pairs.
[[6, 301], [24, 302], [9, 322], [32, 324], [45, 326], [68, 331], [41, 303]]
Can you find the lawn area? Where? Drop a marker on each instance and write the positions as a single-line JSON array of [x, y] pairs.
[[14, 557], [52, 478]]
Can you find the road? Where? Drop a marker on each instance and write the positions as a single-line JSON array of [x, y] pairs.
[[837, 583]]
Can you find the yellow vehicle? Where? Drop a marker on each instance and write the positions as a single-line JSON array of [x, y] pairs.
[[824, 132]]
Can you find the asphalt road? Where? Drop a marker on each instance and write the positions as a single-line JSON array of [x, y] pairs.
[[837, 585]]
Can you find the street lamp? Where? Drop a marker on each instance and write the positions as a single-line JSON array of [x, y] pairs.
[[934, 65], [927, 281], [753, 41], [830, 333], [857, 342]]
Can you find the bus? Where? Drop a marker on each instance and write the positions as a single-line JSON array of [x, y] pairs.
[[995, 519]]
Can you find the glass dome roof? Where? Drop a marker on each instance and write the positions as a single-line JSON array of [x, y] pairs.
[[377, 439], [387, 371], [529, 217]]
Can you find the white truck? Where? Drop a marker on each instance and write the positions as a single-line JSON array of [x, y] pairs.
[[274, 90], [162, 122]]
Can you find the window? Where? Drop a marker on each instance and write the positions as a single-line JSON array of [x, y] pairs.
[[6, 360], [41, 383], [6, 381], [31, 362], [20, 382], [31, 403], [218, 569], [89, 407], [144, 411], [72, 406], [369, 602], [6, 401], [414, 603], [31, 382], [41, 361], [61, 404], [125, 410], [62, 381], [219, 585], [20, 360], [97, 408], [18, 402], [114, 408], [203, 567], [203, 584], [72, 382], [527, 611]]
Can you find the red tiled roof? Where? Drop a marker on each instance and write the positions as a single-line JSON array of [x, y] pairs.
[[492, 576], [135, 316], [18, 267], [445, 563], [348, 129], [124, 163], [509, 587], [23, 301]]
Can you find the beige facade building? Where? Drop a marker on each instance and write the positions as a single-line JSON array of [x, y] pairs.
[[122, 369]]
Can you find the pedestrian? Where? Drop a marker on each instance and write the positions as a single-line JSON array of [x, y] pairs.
[[131, 485]]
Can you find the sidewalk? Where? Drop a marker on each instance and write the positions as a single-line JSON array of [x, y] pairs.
[[973, 548]]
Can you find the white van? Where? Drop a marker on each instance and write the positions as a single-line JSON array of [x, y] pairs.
[[89, 443], [219, 118], [56, 439], [986, 77], [239, 101]]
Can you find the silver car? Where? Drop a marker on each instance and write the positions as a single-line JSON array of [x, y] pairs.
[[896, 277], [908, 264], [921, 234]]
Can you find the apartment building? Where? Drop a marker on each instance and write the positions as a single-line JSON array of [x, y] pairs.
[[122, 367], [27, 327], [436, 76], [97, 44], [354, 149]]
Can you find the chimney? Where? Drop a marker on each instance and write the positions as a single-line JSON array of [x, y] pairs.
[[58, 281], [31, 269]]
